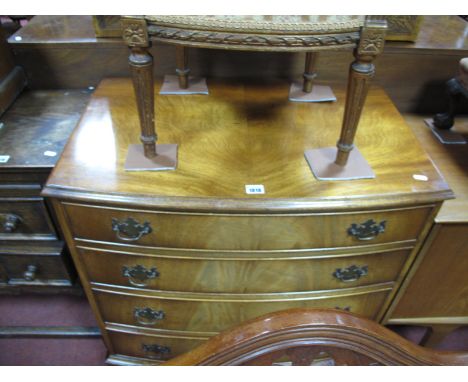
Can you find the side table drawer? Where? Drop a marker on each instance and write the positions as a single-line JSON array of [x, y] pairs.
[[209, 313], [228, 274], [245, 232], [25, 220]]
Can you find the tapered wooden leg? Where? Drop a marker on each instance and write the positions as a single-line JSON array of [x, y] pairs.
[[182, 69], [328, 163], [360, 74], [309, 71], [141, 64]]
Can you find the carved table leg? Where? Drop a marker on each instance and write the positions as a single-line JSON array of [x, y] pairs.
[[331, 164], [309, 71], [307, 91], [149, 156], [182, 69], [361, 72], [141, 64]]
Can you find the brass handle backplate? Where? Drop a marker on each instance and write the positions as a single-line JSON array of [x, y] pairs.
[[30, 273], [158, 351], [367, 230], [350, 274], [130, 229], [148, 316], [9, 222], [138, 275]]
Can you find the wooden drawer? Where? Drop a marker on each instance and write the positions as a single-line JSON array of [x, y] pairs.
[[246, 273], [45, 267], [216, 312], [240, 231], [151, 346], [25, 220]]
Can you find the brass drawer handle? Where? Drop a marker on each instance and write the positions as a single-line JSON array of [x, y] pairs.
[[138, 274], [30, 273], [148, 316], [10, 222], [158, 350], [346, 308], [367, 230], [350, 274], [130, 229]]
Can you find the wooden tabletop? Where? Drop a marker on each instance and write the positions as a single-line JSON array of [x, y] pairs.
[[37, 126], [452, 161], [242, 133]]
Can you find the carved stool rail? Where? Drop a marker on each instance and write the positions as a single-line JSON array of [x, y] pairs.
[[259, 33]]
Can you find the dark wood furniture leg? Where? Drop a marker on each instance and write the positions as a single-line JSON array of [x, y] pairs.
[[361, 72], [309, 71], [455, 90], [182, 69]]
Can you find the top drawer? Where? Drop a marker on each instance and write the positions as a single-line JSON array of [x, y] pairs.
[[244, 231]]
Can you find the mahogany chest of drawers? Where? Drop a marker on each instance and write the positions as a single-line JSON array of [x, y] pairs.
[[33, 132], [168, 259]]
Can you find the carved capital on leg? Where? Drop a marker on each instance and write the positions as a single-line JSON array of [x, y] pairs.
[[135, 34], [361, 72]]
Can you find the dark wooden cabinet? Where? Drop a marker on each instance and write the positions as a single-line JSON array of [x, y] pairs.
[[34, 130], [34, 127]]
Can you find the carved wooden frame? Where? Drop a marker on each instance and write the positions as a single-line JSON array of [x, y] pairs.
[[138, 32], [348, 338]]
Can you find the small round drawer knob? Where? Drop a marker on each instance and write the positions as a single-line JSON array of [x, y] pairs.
[[10, 222], [30, 273]]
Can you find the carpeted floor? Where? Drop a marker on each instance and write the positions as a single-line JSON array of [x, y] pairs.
[[36, 310]]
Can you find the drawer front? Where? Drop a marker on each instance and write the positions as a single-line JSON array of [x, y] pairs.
[[153, 347], [35, 269], [25, 220], [234, 275], [245, 232], [214, 316]]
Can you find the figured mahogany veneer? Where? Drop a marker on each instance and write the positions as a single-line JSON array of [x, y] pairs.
[[193, 254]]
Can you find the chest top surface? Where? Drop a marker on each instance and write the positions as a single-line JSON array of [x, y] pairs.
[[243, 133]]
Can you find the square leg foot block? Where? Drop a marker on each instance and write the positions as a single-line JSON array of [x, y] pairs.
[[165, 160], [196, 85], [447, 137], [319, 93], [322, 164]]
